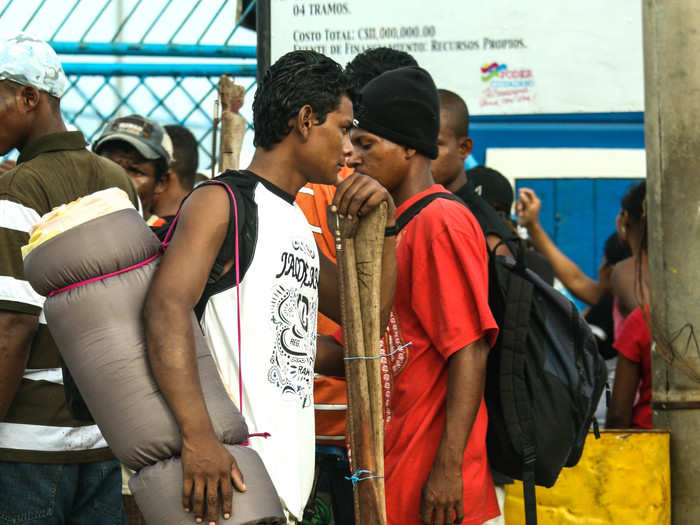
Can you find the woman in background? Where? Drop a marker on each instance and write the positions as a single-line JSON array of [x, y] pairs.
[[630, 406]]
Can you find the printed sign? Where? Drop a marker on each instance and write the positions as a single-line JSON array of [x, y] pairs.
[[502, 57]]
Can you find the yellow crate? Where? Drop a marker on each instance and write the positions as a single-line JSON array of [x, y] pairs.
[[623, 478]]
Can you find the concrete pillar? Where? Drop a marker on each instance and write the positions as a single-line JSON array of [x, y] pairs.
[[672, 127]]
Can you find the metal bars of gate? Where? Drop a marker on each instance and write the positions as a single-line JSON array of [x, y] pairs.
[[148, 74]]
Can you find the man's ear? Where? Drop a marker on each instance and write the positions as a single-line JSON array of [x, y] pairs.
[[409, 153], [164, 183], [464, 147], [305, 121], [29, 97]]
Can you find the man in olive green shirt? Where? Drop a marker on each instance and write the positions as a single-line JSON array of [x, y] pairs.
[[53, 467]]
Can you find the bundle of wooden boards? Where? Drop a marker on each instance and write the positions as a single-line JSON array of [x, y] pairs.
[[359, 252]]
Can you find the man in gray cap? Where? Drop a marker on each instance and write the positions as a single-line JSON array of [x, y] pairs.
[[143, 148], [55, 466]]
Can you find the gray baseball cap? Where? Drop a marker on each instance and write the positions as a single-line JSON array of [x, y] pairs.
[[32, 62], [145, 135]]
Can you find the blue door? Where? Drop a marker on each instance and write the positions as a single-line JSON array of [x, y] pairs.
[[579, 214]]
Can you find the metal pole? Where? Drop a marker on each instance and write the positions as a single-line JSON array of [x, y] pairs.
[[118, 58], [167, 69], [262, 22], [672, 127], [155, 50]]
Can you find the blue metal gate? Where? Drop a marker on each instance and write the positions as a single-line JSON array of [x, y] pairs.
[[175, 57]]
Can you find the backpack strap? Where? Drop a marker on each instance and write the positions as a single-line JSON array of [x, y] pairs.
[[243, 187], [517, 412], [529, 492], [511, 242], [415, 208], [237, 269], [517, 247]]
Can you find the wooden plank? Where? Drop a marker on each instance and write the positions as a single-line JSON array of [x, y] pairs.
[[369, 244], [367, 457]]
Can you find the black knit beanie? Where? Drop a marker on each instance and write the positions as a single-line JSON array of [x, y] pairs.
[[402, 105]]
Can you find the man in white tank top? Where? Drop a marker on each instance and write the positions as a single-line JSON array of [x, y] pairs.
[[302, 115]]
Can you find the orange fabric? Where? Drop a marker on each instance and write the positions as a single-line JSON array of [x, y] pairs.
[[346, 172], [330, 392], [314, 199], [155, 222]]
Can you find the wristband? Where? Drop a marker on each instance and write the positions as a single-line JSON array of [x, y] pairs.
[[391, 231]]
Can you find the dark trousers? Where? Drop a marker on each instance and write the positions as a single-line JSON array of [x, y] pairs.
[[75, 494], [333, 468]]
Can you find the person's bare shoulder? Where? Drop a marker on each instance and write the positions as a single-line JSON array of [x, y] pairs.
[[623, 279], [623, 272]]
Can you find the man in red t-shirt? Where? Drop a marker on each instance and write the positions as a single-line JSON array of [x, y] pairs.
[[436, 467]]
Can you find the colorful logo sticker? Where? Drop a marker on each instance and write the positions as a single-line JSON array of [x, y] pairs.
[[488, 71], [505, 86]]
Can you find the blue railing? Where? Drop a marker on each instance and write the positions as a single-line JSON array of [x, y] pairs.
[[126, 56]]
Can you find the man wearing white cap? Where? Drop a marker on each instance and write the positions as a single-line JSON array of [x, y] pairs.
[[55, 466]]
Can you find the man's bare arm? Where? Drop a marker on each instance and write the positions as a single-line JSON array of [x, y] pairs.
[[16, 334], [621, 407], [329, 357], [176, 288], [628, 292], [328, 299], [577, 282], [442, 492], [499, 248]]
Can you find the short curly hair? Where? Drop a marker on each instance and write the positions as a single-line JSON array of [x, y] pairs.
[[373, 62], [296, 79]]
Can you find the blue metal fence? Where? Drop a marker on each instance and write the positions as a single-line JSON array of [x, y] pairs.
[[161, 59]]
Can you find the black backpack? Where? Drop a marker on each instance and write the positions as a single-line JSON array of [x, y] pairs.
[[544, 374]]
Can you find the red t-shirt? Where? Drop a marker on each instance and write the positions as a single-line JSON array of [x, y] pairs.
[[441, 306], [634, 342]]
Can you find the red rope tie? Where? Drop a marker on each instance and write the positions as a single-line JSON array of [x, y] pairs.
[[105, 276], [246, 443]]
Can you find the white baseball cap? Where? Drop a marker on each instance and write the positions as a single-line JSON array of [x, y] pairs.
[[32, 62]]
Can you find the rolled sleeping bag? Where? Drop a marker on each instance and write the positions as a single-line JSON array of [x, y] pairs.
[[99, 331], [98, 328], [158, 492]]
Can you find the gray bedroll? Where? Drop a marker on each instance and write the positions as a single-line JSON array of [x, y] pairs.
[[98, 328], [158, 493]]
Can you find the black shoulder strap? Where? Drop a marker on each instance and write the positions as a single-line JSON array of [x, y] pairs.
[[415, 208], [242, 185], [517, 410]]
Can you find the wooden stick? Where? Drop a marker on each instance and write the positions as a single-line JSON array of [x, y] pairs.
[[352, 343], [363, 428], [214, 136], [369, 244]]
